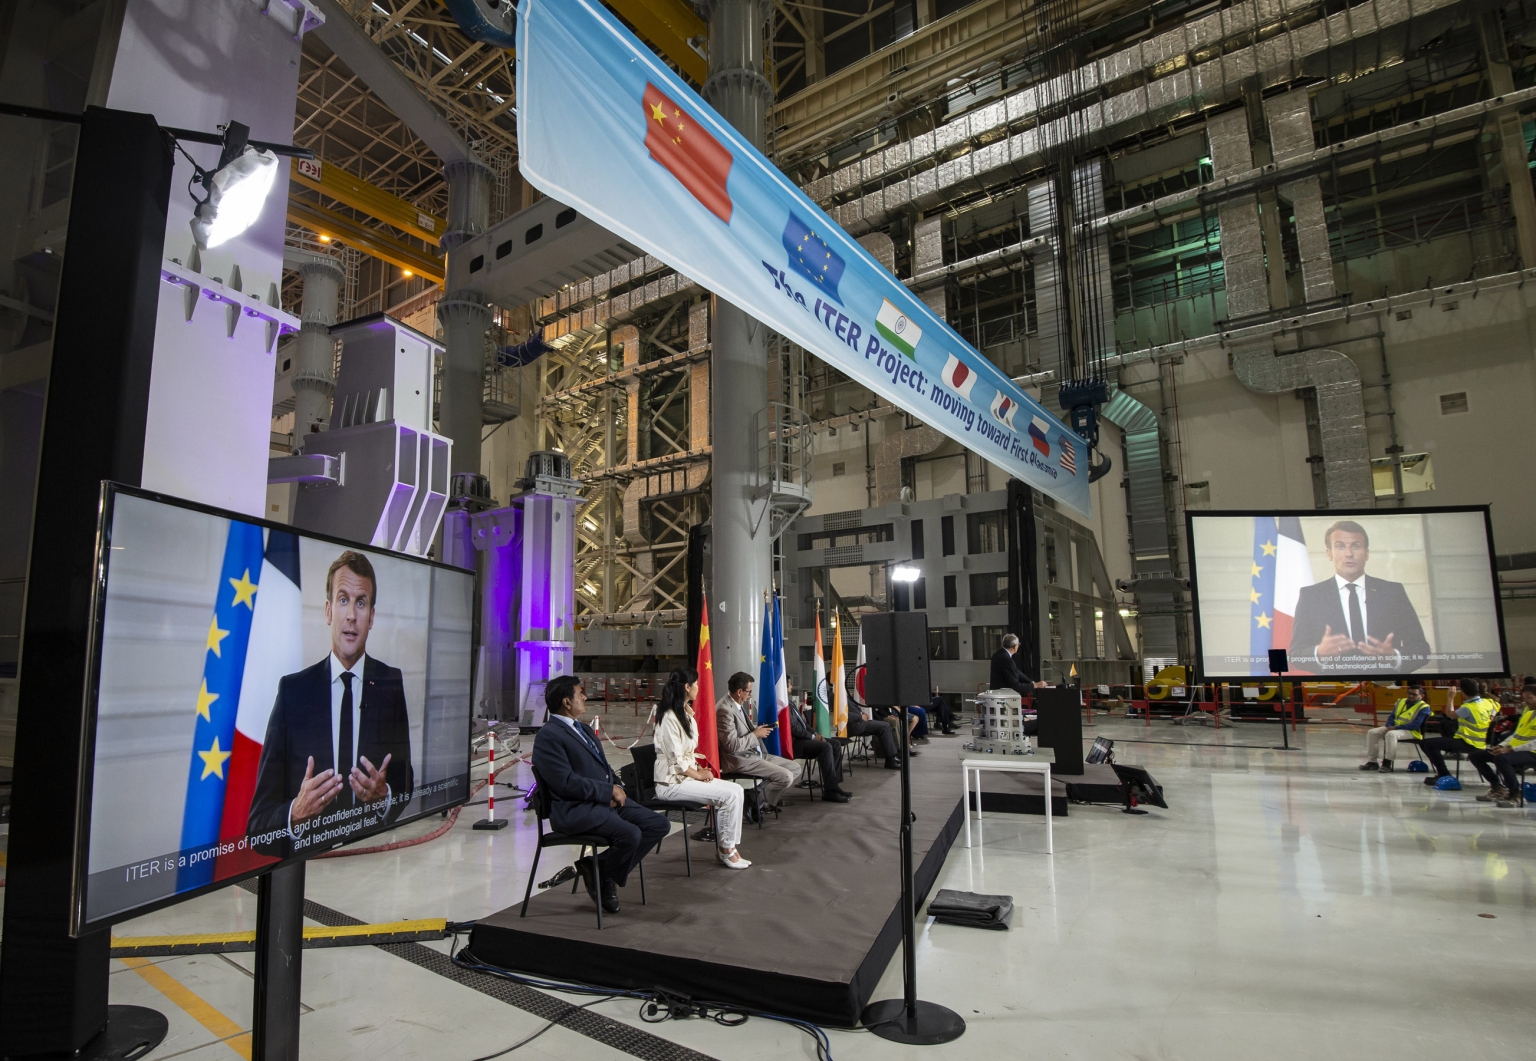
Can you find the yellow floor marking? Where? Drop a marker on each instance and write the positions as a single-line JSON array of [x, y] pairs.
[[226, 1030]]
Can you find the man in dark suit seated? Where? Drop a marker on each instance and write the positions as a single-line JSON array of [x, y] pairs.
[[338, 740], [586, 794], [828, 756], [940, 713], [1353, 622], [1006, 673]]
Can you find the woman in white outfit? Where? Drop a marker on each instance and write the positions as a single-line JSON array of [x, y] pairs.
[[679, 775]]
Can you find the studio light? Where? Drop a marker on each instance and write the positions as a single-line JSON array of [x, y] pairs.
[[905, 574], [236, 190]]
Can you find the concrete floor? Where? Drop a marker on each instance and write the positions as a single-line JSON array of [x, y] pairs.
[[1285, 905]]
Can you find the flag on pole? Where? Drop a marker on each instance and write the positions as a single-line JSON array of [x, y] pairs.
[[858, 672], [276, 648], [783, 736], [821, 694], [704, 703], [839, 690], [1279, 570], [1293, 570], [767, 700], [216, 701]]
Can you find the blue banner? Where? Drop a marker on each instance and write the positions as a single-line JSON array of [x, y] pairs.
[[605, 127]]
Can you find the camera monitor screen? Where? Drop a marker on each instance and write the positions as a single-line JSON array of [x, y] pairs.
[[259, 694], [1356, 595]]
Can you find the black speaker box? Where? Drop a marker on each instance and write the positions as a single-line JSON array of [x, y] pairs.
[[896, 659], [1061, 727]]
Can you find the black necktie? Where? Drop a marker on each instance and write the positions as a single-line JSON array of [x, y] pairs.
[[344, 738], [1356, 620]]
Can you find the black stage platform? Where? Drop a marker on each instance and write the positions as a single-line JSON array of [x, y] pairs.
[[806, 932]]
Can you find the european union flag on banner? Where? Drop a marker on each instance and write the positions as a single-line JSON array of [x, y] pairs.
[[810, 256], [218, 699]]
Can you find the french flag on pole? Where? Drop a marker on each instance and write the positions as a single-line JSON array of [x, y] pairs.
[[1038, 429], [958, 378]]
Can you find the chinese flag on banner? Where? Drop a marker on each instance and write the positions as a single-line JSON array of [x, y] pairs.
[[704, 702], [688, 152]]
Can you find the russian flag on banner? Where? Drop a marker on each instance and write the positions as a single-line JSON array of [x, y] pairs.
[[1038, 429], [958, 378], [217, 697], [275, 649]]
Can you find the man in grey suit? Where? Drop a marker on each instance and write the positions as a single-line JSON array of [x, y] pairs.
[[741, 743], [1354, 622]]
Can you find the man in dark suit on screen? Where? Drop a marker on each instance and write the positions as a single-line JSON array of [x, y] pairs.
[[339, 737], [1352, 622]]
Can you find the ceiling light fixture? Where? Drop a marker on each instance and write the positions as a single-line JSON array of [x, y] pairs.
[[903, 573]]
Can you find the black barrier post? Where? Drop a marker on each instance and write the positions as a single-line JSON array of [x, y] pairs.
[[1279, 663], [279, 958], [897, 669], [53, 985]]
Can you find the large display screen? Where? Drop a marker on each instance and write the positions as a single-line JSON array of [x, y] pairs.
[[1348, 594], [259, 694]]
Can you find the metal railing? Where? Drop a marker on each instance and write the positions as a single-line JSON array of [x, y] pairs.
[[785, 440]]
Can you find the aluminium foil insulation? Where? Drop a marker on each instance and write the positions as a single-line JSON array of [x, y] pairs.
[[1151, 545], [1290, 136]]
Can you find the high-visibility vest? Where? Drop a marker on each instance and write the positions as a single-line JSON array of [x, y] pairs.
[[1474, 730], [1525, 729], [1403, 714]]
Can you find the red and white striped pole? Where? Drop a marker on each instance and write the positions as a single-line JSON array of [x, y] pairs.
[[489, 821]]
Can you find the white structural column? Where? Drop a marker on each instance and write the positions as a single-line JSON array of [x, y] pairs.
[[315, 380], [465, 317], [740, 535]]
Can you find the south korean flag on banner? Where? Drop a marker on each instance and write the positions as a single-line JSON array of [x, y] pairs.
[[1004, 409]]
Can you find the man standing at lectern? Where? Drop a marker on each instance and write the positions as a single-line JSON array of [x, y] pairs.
[[1355, 622], [339, 736]]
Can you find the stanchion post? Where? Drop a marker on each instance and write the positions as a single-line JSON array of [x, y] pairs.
[[279, 958], [490, 822]]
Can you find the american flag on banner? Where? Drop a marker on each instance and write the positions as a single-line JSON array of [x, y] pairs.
[[1068, 459]]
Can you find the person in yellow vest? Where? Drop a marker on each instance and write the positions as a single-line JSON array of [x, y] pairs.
[[1408, 719], [1472, 717], [1513, 752]]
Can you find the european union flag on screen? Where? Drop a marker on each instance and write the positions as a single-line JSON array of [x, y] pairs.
[[810, 256]]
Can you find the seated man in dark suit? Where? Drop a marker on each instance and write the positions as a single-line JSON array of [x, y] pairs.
[[1353, 622], [828, 757], [1006, 673], [940, 713], [587, 796], [310, 763]]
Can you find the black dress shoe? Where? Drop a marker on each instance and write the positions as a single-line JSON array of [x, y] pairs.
[[1372, 765], [588, 876], [610, 897], [893, 764], [834, 797]]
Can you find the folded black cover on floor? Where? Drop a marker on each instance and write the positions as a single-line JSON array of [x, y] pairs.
[[971, 910]]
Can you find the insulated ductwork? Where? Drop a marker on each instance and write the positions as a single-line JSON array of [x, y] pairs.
[[973, 148], [1290, 136], [1334, 376], [895, 448], [928, 258], [1151, 544]]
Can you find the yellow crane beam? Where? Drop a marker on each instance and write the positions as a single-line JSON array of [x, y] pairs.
[[336, 183], [335, 226], [669, 25]]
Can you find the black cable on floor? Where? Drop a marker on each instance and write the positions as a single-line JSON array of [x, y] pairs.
[[524, 1042], [656, 1005]]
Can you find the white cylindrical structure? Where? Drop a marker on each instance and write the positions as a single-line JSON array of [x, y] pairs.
[[315, 380], [740, 536], [465, 317]]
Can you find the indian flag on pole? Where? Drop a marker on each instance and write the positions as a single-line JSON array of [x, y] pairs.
[[839, 693], [898, 329], [819, 693]]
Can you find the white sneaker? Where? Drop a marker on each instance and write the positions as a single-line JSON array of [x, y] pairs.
[[733, 860]]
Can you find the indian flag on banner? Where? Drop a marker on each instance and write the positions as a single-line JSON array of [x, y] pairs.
[[898, 329]]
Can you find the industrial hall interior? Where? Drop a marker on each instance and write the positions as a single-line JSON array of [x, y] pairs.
[[679, 435]]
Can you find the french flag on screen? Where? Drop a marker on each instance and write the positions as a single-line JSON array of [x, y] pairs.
[[276, 648], [1038, 429]]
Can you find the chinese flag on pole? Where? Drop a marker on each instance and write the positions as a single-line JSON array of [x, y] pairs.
[[688, 152], [704, 702]]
